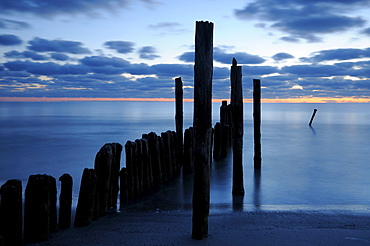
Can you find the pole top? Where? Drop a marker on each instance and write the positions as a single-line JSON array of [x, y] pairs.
[[235, 63]]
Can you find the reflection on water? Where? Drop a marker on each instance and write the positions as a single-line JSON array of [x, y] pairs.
[[257, 187]]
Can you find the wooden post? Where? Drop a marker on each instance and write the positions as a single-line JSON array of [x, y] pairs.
[[86, 198], [238, 121], [188, 166], [257, 123], [179, 116], [65, 201], [37, 209], [129, 149], [203, 70], [53, 217], [145, 160], [114, 180], [313, 116], [123, 186], [11, 212], [103, 169], [155, 159], [139, 166], [217, 142]]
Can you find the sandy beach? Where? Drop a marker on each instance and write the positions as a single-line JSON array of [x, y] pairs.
[[173, 227]]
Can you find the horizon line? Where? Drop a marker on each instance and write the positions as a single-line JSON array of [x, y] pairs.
[[245, 100]]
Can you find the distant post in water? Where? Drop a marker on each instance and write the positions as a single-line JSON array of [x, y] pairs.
[[237, 113], [202, 123], [313, 116], [257, 123], [179, 116]]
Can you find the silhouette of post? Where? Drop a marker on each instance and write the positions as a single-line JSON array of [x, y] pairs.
[[237, 109], [313, 116], [65, 201], [179, 116], [11, 212], [202, 124], [257, 123]]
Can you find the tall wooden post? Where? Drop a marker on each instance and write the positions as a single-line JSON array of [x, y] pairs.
[[313, 116], [179, 117], [237, 109], [202, 123], [257, 123]]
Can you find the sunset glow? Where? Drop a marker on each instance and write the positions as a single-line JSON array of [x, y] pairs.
[[285, 100]]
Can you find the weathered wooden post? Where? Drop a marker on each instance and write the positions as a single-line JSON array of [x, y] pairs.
[[11, 212], [123, 186], [202, 122], [139, 166], [313, 116], [188, 166], [238, 122], [179, 117], [53, 218], [217, 141], [37, 208], [86, 198], [114, 180], [155, 159], [257, 123], [129, 149], [103, 169], [166, 160], [145, 160], [65, 201]]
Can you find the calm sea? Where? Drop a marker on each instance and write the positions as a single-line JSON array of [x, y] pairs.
[[327, 164]]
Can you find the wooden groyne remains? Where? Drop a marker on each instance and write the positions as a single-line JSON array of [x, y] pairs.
[[151, 161]]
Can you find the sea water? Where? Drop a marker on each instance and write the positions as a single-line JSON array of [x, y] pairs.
[[327, 164]]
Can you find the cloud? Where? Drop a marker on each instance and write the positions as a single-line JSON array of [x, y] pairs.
[[168, 27], [220, 55], [366, 31], [64, 46], [49, 9], [9, 40], [337, 54], [148, 53], [123, 47], [25, 54], [99, 61], [282, 56], [305, 20], [12, 24], [59, 56]]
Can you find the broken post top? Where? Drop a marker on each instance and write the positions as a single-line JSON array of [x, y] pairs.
[[235, 63]]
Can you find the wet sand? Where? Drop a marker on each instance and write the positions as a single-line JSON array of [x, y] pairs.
[[173, 227]]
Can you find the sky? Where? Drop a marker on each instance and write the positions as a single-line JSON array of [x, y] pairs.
[[303, 51]]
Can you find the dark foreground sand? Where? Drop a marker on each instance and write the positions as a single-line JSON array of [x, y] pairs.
[[225, 228]]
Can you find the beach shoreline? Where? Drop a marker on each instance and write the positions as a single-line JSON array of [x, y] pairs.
[[173, 227]]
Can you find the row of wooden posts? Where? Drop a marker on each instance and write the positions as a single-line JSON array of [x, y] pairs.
[[150, 161]]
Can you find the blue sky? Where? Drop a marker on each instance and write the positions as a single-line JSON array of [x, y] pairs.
[[135, 49]]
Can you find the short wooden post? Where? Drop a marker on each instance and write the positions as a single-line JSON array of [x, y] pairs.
[[257, 123], [145, 160], [179, 117], [103, 169], [37, 209], [130, 169], [167, 161], [123, 186], [139, 166], [11, 212], [238, 121], [86, 198], [217, 142], [155, 159], [114, 180], [53, 218], [202, 123], [188, 166], [65, 201], [313, 116]]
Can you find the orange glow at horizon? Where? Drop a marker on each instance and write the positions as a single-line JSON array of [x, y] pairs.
[[246, 100]]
